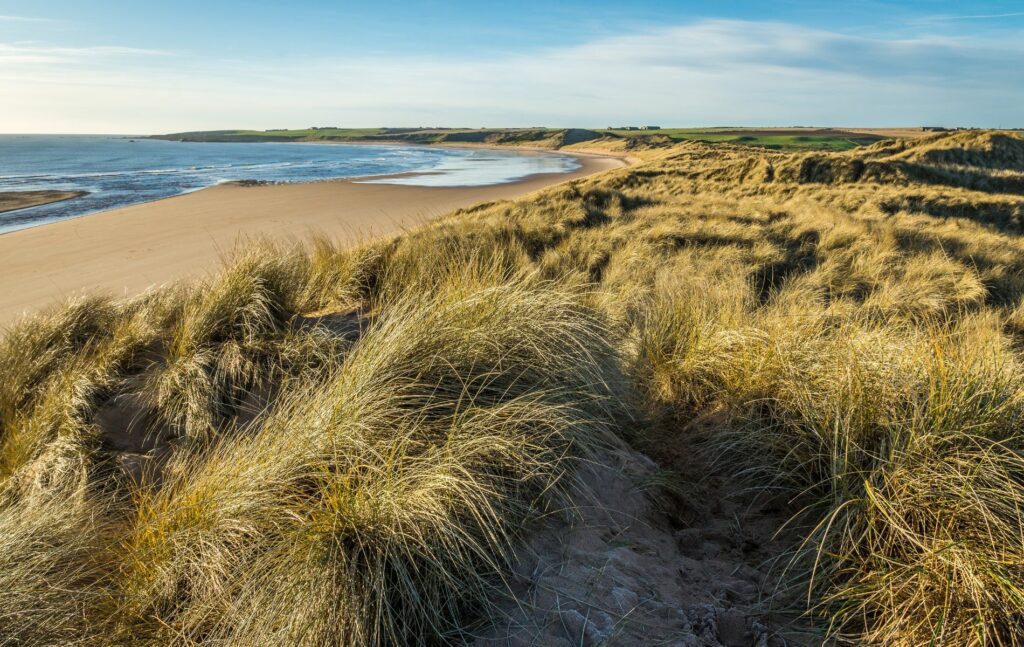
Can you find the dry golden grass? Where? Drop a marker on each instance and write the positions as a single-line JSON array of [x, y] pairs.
[[324, 446]]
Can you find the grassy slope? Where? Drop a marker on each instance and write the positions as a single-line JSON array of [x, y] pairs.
[[548, 137], [307, 450], [783, 138]]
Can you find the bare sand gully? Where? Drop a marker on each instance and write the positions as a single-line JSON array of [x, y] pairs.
[[125, 251]]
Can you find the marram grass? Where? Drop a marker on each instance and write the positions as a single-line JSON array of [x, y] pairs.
[[376, 502], [322, 446]]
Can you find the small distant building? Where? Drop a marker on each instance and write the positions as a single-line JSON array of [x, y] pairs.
[[934, 129], [650, 127]]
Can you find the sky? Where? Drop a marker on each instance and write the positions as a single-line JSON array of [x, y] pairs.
[[139, 67]]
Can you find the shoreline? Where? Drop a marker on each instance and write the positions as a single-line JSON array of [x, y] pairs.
[[577, 155], [126, 250]]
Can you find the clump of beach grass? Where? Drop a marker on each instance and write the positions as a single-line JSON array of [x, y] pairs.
[[52, 558], [378, 500], [376, 505]]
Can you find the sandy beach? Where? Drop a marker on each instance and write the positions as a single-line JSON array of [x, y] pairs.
[[124, 251]]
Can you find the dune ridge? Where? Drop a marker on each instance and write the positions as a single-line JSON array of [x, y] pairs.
[[723, 397]]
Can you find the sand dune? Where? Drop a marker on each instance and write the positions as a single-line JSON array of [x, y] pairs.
[[125, 251]]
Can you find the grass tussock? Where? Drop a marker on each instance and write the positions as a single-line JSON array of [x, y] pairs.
[[376, 502], [344, 446], [51, 556]]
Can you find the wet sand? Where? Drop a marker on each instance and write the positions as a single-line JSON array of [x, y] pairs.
[[14, 200]]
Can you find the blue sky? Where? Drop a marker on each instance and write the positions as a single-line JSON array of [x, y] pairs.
[[141, 67]]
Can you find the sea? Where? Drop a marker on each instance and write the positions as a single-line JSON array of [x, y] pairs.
[[121, 170]]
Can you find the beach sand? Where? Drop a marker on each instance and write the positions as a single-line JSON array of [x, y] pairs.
[[124, 251]]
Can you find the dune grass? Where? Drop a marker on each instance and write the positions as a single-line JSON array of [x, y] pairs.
[[375, 502], [345, 446], [775, 138]]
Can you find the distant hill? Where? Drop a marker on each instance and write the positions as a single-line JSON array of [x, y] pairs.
[[553, 138], [540, 137]]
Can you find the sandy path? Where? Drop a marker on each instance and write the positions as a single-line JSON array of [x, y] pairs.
[[124, 251]]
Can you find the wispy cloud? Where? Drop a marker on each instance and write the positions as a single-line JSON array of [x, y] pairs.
[[955, 17], [702, 73], [23, 19], [34, 53]]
